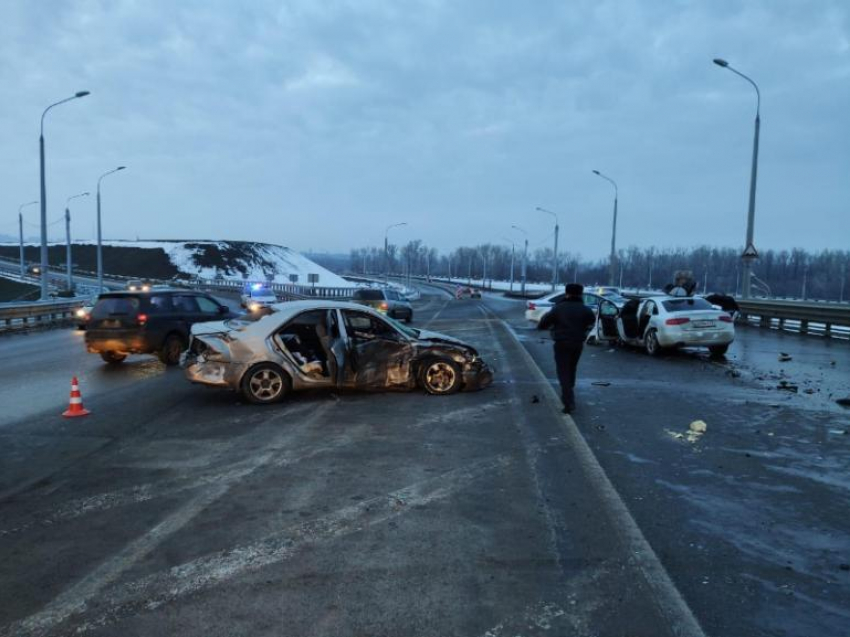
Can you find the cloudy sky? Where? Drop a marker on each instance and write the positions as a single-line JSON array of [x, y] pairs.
[[316, 124]]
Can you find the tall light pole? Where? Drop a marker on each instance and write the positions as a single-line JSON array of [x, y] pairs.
[[44, 273], [386, 249], [99, 231], [749, 251], [612, 268], [524, 259], [555, 256], [68, 237], [513, 256], [21, 231]]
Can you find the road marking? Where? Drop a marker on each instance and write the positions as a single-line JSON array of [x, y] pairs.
[[75, 600], [668, 599], [153, 591]]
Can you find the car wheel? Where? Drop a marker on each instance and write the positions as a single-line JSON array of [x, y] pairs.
[[653, 348], [265, 384], [718, 350], [440, 376], [113, 358], [171, 350]]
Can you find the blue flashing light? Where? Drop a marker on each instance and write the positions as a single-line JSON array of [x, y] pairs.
[[257, 286]]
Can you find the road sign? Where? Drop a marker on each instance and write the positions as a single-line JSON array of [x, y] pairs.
[[750, 252], [313, 278], [293, 278]]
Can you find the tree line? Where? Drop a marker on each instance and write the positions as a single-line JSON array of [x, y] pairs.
[[793, 273]]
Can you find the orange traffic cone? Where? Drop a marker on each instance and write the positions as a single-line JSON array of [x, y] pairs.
[[76, 407]]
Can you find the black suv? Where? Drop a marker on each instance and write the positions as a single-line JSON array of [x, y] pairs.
[[150, 322]]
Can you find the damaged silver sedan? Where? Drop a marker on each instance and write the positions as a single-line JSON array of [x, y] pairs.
[[316, 344]]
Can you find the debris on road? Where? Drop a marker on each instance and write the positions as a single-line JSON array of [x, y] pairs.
[[695, 431], [844, 402], [535, 398], [784, 357], [786, 386], [601, 383]]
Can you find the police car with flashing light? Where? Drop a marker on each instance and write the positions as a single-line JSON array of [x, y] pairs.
[[257, 297]]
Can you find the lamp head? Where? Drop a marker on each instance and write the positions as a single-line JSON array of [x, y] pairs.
[[595, 172], [721, 62], [81, 93], [120, 168]]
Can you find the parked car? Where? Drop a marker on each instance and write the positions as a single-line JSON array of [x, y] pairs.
[[386, 301], [135, 285], [257, 297], [660, 322], [536, 309], [313, 344], [464, 292], [153, 322]]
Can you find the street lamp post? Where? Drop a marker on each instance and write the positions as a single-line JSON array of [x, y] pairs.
[[513, 256], [555, 256], [749, 250], [68, 237], [524, 259], [21, 231], [99, 231], [612, 268], [44, 273], [386, 249]]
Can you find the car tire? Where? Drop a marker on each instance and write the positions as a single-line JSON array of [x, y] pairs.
[[718, 350], [171, 349], [440, 376], [113, 358], [265, 384], [653, 347]]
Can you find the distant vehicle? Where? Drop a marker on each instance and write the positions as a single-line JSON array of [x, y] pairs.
[[257, 297], [604, 290], [82, 315], [386, 301], [135, 285], [660, 322], [536, 309], [466, 292], [154, 322], [315, 344]]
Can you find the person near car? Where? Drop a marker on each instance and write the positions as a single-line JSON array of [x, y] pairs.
[[569, 322]]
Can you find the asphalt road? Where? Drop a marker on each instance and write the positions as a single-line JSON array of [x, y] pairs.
[[174, 509]]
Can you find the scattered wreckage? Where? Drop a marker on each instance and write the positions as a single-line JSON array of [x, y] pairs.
[[326, 344]]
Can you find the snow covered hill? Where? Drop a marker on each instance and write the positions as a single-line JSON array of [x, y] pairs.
[[234, 260]]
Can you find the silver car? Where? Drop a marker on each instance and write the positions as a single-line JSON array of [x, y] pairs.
[[315, 344]]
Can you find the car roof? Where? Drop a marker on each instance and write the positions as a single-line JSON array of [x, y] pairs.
[[284, 312]]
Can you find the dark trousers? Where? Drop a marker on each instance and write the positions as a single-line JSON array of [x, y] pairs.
[[566, 361]]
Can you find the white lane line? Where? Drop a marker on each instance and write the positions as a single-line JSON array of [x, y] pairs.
[[75, 600], [664, 593], [440, 311], [167, 586]]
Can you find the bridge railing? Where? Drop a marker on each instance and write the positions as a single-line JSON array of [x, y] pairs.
[[827, 319], [21, 316]]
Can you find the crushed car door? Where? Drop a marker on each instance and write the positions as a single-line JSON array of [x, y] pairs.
[[607, 320], [378, 355]]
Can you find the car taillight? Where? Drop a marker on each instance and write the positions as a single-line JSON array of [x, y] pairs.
[[532, 306], [725, 318], [385, 306], [142, 319], [677, 321]]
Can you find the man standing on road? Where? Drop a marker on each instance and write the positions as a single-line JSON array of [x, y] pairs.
[[569, 321]]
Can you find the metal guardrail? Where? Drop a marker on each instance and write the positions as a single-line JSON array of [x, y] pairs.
[[291, 291], [828, 319], [27, 315]]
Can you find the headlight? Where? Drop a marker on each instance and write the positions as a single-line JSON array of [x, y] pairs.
[[254, 307], [81, 313]]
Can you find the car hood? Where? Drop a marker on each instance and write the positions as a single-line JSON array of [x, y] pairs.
[[437, 337]]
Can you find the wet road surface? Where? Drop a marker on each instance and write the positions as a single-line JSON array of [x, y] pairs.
[[177, 509]]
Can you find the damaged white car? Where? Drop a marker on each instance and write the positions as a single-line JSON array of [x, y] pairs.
[[665, 322], [316, 344]]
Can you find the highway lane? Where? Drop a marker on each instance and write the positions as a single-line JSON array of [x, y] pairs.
[[179, 509]]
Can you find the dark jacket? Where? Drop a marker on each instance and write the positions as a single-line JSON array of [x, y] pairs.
[[570, 321]]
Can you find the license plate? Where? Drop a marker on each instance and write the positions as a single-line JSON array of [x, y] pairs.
[[703, 323]]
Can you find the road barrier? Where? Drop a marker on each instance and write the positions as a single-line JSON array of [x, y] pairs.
[[825, 319], [290, 291], [21, 316]]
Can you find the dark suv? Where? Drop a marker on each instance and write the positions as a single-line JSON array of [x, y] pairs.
[[150, 322], [386, 301]]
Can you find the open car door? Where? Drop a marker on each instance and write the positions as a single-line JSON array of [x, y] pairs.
[[378, 355], [607, 319]]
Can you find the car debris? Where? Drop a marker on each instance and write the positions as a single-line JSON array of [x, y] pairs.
[[601, 383], [784, 385], [784, 357], [695, 431], [844, 402], [535, 399]]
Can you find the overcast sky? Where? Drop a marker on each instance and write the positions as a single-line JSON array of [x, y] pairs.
[[316, 124]]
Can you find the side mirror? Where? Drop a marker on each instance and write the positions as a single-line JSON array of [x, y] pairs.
[[223, 309]]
